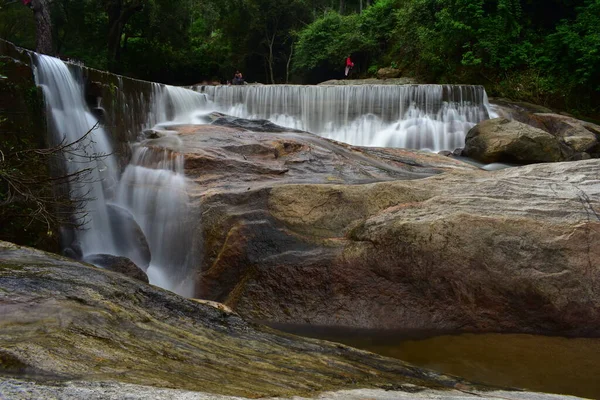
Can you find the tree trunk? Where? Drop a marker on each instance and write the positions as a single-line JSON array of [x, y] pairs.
[[342, 6], [43, 27], [114, 40], [118, 16], [270, 58], [287, 66]]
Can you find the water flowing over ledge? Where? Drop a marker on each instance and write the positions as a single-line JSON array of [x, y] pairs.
[[427, 117], [140, 210], [142, 214]]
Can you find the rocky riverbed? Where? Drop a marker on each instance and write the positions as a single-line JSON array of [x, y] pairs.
[[300, 229], [70, 330]]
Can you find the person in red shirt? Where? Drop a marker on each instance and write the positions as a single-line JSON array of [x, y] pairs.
[[349, 65], [27, 3]]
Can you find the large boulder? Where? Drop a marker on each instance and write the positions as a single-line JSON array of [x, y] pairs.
[[579, 135], [581, 138], [504, 140], [298, 229], [66, 323]]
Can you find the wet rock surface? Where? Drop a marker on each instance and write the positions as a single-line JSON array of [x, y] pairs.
[[229, 157], [254, 125], [122, 265], [132, 241], [67, 321], [297, 229]]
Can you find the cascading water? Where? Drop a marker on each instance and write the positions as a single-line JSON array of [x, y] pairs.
[[69, 119], [143, 215], [428, 117], [153, 188], [176, 105]]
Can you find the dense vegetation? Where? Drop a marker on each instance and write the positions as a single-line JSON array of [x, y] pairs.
[[545, 51]]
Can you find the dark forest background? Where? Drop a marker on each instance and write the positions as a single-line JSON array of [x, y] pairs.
[[543, 51]]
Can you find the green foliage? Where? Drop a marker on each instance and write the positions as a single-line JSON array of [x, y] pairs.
[[572, 52], [550, 50], [328, 41], [17, 24], [508, 45], [372, 70]]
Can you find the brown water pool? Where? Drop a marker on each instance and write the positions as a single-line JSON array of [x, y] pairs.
[[538, 363]]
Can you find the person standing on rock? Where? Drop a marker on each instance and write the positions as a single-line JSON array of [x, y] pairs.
[[349, 65]]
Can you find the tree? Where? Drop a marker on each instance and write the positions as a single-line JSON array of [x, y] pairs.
[[119, 13], [324, 44], [43, 26]]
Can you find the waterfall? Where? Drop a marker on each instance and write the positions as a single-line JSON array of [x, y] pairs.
[[143, 214], [428, 117], [178, 106], [154, 189], [69, 119]]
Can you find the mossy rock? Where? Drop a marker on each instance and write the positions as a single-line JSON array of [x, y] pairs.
[[72, 321]]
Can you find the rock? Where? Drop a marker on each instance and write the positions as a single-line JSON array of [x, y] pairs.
[[219, 158], [122, 265], [71, 253], [157, 133], [373, 81], [299, 229], [466, 250], [579, 136], [502, 140], [445, 153], [213, 116], [219, 306], [102, 390], [576, 134], [68, 323], [458, 152], [385, 73], [254, 125], [520, 106], [580, 156], [131, 242]]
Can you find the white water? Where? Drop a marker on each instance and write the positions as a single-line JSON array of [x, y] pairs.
[[152, 193], [153, 187], [427, 117], [151, 196], [178, 106], [69, 119]]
